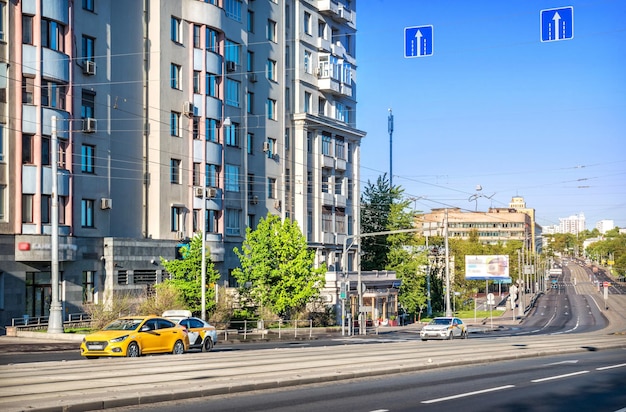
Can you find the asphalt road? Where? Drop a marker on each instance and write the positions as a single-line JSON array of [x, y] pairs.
[[574, 382]]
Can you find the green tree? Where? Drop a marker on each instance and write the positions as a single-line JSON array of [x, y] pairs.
[[186, 276], [277, 268]]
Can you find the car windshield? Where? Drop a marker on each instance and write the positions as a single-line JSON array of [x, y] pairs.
[[442, 321], [123, 324]]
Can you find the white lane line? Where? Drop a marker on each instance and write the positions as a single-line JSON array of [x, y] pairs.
[[567, 375], [562, 362], [380, 410], [463, 395], [611, 367]]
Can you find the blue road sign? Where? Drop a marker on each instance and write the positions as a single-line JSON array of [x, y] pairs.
[[557, 24], [418, 41]]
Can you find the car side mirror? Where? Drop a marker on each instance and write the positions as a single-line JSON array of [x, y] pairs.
[[145, 328]]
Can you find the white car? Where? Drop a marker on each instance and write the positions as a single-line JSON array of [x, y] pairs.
[[444, 328], [202, 335]]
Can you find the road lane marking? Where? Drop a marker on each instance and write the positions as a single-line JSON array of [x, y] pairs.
[[567, 375], [562, 362], [463, 395], [611, 367]]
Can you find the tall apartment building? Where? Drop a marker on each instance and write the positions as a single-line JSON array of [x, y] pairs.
[[573, 224], [605, 225], [173, 118]]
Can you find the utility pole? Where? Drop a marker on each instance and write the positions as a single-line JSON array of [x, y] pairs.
[[390, 129]]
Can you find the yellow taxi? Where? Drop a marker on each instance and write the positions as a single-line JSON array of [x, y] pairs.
[[134, 336]]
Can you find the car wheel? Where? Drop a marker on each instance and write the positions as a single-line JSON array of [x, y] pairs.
[[207, 345], [424, 340], [464, 335], [133, 350], [179, 348], [450, 335], [91, 357]]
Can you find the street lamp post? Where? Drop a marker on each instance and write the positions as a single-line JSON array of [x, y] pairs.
[[55, 320]]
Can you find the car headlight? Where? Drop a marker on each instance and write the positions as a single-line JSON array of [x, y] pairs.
[[120, 339]]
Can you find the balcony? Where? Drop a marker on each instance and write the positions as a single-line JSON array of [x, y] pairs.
[[340, 164], [340, 201], [327, 199], [213, 152], [213, 108], [323, 45]]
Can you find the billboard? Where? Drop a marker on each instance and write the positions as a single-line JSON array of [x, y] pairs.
[[487, 267]]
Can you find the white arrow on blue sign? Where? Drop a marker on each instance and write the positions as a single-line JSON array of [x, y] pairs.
[[557, 24], [418, 41]]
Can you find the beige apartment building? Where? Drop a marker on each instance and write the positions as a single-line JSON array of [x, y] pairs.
[[497, 225], [173, 118]]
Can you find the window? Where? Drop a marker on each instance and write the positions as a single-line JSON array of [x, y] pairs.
[[340, 221], [211, 221], [27, 29], [341, 112], [309, 142], [210, 175], [212, 44], [211, 130], [326, 174], [231, 178], [307, 23], [196, 36], [175, 29], [250, 222], [338, 184], [89, 48], [195, 127], [271, 31], [196, 82], [232, 52], [196, 174], [307, 102], [250, 22], [53, 94], [211, 85], [88, 283], [249, 102], [27, 149], [232, 92], [176, 218], [87, 212], [232, 134], [250, 62], [27, 208], [87, 158], [87, 108], [326, 144], [340, 148], [309, 182], [28, 90], [271, 187], [233, 217], [321, 29], [52, 35], [46, 206], [271, 70], [45, 151], [321, 106], [175, 171], [327, 219], [175, 76], [2, 148], [3, 190], [251, 193], [174, 124], [307, 61], [88, 5], [233, 9], [250, 143], [349, 190], [271, 147], [271, 109]]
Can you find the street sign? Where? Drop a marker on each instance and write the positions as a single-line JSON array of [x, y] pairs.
[[491, 299], [418, 41], [557, 24]]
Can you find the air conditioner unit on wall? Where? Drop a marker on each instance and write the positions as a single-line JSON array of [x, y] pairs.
[[231, 66], [211, 192], [266, 146], [106, 203], [277, 204], [254, 200], [89, 67], [90, 125], [198, 191], [180, 235], [188, 109], [252, 77]]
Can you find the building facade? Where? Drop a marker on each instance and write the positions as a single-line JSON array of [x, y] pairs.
[[605, 225], [172, 118], [498, 225], [573, 224]]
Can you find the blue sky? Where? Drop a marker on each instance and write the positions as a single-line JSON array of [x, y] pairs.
[[494, 106]]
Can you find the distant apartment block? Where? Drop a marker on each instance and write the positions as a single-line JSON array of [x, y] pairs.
[[604, 226]]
